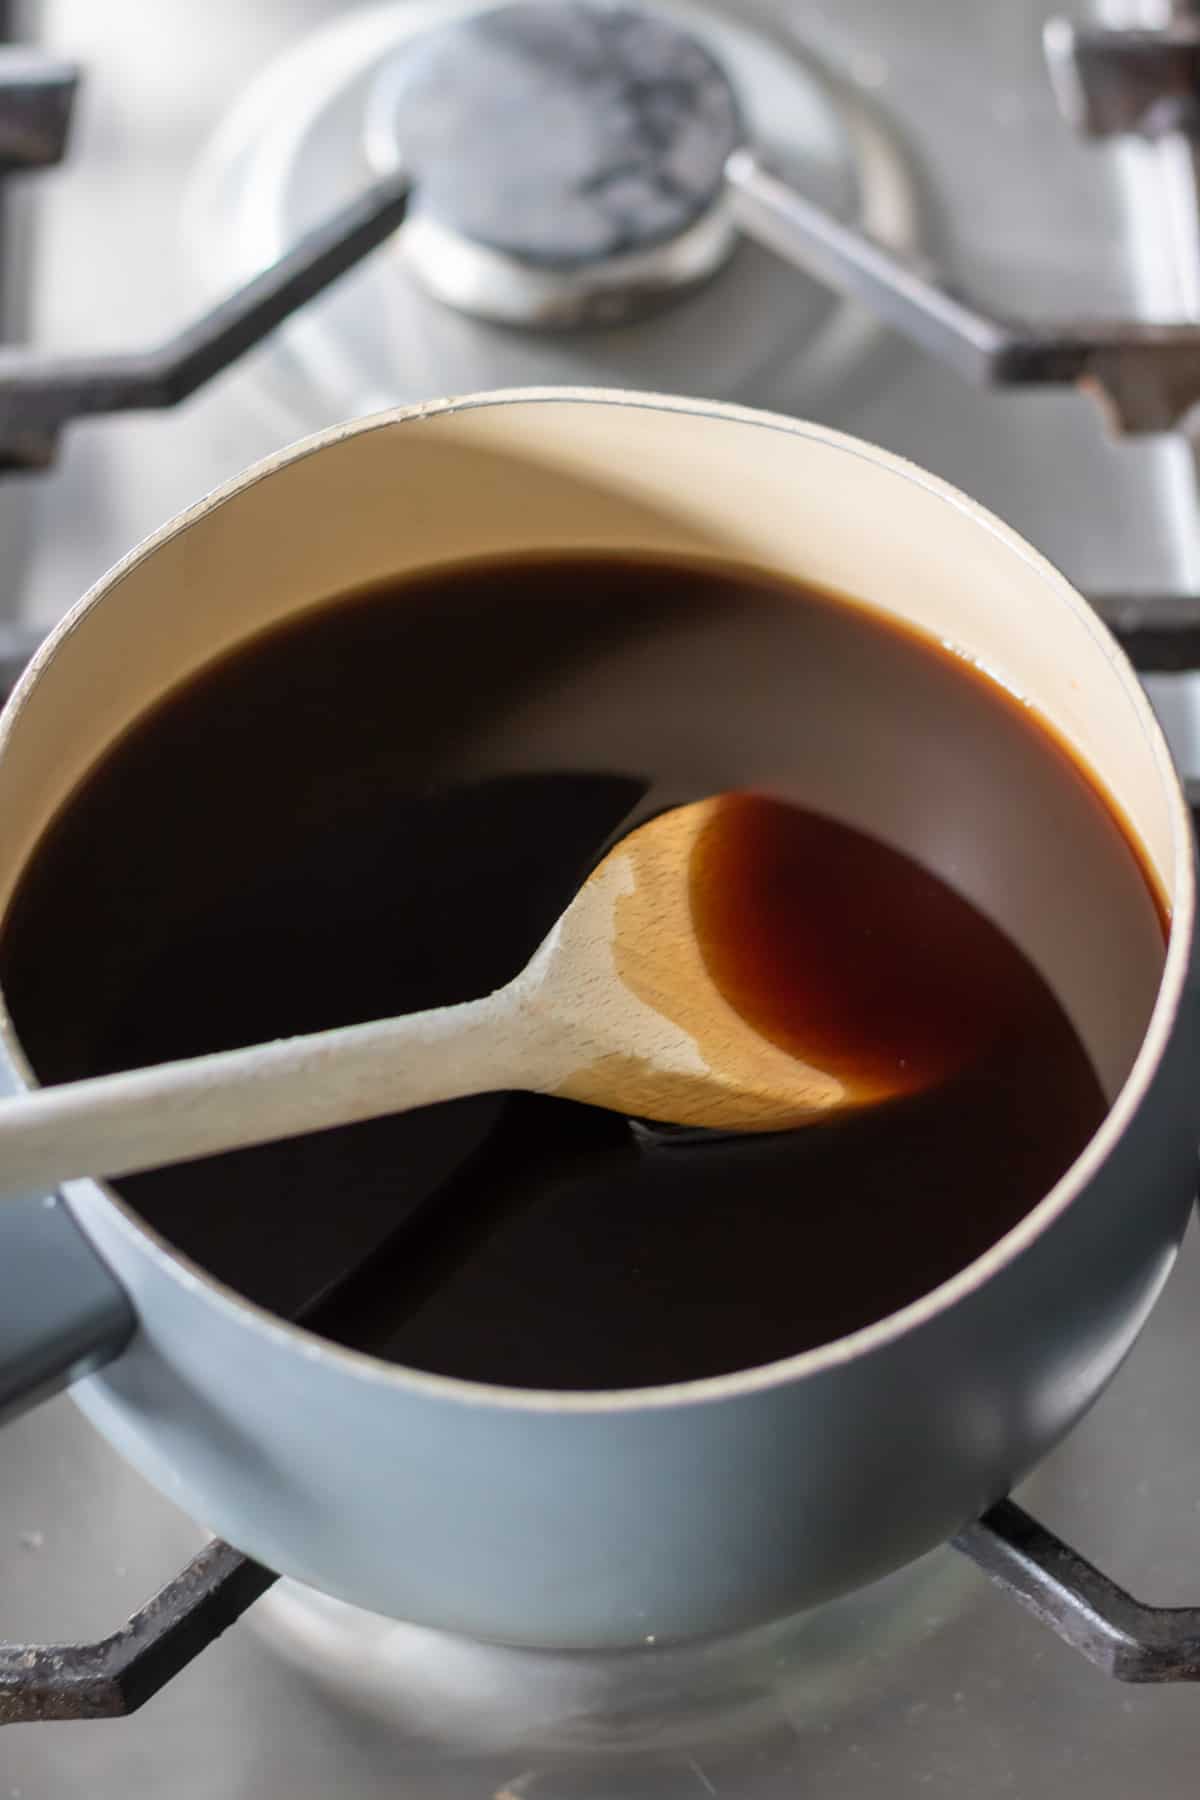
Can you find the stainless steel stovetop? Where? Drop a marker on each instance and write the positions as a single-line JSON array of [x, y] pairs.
[[935, 1684]]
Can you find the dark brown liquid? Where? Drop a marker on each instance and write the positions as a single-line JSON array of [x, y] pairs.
[[855, 958], [384, 805]]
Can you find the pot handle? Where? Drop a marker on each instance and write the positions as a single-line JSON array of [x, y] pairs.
[[62, 1313]]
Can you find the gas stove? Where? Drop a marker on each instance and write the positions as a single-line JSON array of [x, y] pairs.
[[220, 173]]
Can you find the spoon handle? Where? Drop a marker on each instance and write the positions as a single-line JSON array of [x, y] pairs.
[[171, 1112]]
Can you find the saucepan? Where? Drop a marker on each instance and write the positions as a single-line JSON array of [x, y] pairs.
[[601, 1519]]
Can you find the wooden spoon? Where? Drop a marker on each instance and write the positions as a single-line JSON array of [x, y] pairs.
[[616, 1008]]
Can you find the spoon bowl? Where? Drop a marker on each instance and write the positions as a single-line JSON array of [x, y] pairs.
[[624, 979]]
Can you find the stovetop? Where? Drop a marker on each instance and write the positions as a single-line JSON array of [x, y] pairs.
[[935, 1684]]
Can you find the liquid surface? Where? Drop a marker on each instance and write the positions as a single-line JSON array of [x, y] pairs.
[[854, 957], [384, 806]]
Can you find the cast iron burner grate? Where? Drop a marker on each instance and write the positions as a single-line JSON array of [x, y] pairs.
[[41, 394], [116, 1675]]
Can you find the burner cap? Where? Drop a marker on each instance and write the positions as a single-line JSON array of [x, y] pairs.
[[559, 137], [562, 134], [746, 327]]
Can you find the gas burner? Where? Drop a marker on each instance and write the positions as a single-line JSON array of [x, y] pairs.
[[569, 171], [645, 185], [568, 161]]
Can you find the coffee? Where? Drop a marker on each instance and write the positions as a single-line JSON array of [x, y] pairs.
[[383, 804]]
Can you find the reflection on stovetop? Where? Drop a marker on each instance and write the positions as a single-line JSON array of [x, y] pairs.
[[720, 1697]]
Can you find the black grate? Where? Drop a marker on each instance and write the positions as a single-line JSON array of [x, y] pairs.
[[121, 1672], [1122, 1636]]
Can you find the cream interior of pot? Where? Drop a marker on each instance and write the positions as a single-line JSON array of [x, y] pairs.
[[570, 473]]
